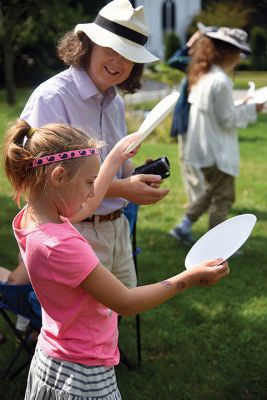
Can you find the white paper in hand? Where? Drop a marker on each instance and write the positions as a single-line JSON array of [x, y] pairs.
[[259, 97], [154, 118], [222, 241]]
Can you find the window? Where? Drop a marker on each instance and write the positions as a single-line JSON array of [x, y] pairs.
[[168, 16]]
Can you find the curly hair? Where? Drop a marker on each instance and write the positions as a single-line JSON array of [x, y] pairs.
[[207, 52], [75, 49]]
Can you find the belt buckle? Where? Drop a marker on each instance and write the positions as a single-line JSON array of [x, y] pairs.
[[112, 216]]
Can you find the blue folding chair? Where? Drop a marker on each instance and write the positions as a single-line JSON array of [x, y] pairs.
[[19, 300], [131, 212]]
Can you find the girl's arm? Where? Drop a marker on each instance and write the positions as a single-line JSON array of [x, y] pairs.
[[107, 171], [109, 291]]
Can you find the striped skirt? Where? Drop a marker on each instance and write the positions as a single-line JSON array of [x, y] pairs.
[[52, 379]]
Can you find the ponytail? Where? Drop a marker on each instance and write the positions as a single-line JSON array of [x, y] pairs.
[[16, 157]]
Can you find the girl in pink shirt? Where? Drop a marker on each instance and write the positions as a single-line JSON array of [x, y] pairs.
[[57, 169]]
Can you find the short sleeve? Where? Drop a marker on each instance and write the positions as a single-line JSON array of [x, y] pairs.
[[44, 109], [71, 261]]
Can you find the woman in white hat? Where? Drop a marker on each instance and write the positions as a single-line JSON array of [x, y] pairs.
[[107, 53], [212, 141]]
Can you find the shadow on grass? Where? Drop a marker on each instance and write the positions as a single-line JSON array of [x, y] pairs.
[[260, 214], [252, 139]]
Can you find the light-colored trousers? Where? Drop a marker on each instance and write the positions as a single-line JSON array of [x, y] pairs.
[[112, 244], [217, 199], [193, 179]]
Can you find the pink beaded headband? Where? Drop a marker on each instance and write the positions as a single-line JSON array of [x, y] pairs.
[[65, 155]]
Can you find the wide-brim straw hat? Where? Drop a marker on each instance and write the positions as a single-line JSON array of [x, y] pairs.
[[122, 28], [233, 36]]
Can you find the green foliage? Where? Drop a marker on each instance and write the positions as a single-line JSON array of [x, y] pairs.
[[33, 28], [35, 20], [258, 9], [258, 40], [172, 43], [222, 14], [161, 72]]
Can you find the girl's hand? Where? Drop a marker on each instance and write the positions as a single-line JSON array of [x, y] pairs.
[[208, 273], [119, 150]]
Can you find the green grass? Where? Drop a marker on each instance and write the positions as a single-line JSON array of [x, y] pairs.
[[171, 76], [205, 344], [241, 79]]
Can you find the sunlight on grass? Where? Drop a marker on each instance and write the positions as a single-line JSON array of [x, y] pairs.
[[255, 309]]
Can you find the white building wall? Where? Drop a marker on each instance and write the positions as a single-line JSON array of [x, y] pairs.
[[185, 11]]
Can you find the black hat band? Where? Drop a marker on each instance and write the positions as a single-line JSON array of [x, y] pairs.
[[121, 30]]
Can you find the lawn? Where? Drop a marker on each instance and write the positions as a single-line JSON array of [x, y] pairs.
[[205, 344], [171, 76]]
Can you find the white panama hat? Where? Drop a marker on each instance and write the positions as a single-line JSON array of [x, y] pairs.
[[233, 36], [122, 28]]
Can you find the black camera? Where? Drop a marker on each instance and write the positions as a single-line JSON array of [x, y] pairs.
[[160, 166]]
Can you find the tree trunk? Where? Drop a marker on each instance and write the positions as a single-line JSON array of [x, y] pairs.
[[9, 71]]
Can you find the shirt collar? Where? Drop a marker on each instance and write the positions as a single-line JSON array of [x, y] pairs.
[[86, 87]]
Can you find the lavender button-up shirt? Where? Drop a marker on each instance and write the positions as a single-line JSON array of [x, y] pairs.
[[71, 97]]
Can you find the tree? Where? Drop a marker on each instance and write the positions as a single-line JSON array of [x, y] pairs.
[[258, 42], [35, 24], [222, 14], [258, 11]]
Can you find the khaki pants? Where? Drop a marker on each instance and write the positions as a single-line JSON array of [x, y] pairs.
[[217, 199], [111, 242], [193, 179]]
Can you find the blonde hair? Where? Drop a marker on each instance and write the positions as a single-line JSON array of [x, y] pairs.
[[208, 52], [24, 144]]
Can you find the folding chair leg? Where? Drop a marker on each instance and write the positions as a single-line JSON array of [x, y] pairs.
[[18, 370], [124, 359], [16, 332], [138, 339], [23, 345]]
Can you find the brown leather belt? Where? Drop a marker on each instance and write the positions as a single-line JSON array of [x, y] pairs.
[[108, 217]]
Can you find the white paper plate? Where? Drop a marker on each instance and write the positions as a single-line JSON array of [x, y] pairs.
[[222, 241], [154, 118], [259, 97]]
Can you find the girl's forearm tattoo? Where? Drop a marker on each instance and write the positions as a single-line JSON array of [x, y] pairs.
[[168, 284]]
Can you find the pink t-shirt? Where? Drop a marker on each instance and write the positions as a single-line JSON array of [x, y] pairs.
[[75, 327]]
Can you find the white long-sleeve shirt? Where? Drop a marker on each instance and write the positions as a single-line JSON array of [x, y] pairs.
[[212, 137]]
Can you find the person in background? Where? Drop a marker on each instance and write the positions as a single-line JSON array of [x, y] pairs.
[[57, 169], [212, 140], [192, 177], [104, 55]]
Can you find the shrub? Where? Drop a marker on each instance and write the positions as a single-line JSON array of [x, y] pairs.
[[172, 42], [258, 40]]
